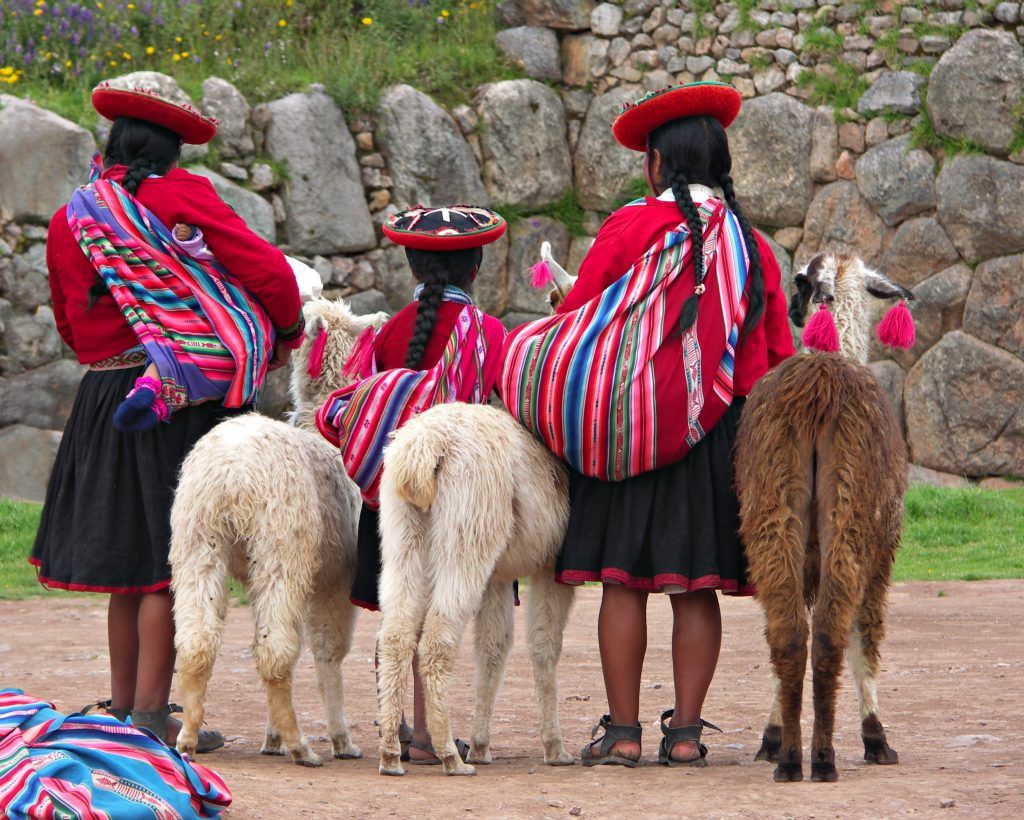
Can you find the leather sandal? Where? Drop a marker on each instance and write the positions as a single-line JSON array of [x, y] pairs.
[[156, 722], [612, 735], [460, 745], [103, 706], [682, 734]]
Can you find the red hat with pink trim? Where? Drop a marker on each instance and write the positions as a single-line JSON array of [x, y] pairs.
[[447, 228], [639, 118], [145, 104]]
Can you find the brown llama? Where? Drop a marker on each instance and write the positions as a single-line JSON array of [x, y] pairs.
[[821, 471]]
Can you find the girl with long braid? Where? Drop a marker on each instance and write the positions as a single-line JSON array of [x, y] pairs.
[[677, 311], [440, 347]]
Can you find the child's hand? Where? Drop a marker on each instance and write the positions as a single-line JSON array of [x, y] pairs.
[[183, 232]]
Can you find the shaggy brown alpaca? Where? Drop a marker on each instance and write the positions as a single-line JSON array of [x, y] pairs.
[[821, 472]]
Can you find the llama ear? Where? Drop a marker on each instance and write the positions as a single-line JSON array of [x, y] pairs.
[[882, 287], [800, 299], [314, 325]]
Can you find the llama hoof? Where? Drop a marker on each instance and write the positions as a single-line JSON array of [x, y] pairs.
[[824, 772], [454, 767], [560, 758], [276, 751], [789, 773], [876, 749], [272, 745], [307, 758], [391, 765], [185, 748], [480, 755], [345, 749], [771, 742]]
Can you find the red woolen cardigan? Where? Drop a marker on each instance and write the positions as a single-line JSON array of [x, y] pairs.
[[630, 231], [101, 331]]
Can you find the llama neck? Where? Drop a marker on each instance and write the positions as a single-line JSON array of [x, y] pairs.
[[851, 319]]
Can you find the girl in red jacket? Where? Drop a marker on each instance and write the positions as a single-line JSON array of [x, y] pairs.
[[106, 522], [673, 529]]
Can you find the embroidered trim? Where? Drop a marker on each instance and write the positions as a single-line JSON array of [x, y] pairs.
[[121, 361]]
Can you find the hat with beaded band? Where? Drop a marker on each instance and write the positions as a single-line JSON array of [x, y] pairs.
[[447, 228], [193, 127], [639, 118]]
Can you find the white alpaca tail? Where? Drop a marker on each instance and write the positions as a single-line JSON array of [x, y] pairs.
[[411, 464]]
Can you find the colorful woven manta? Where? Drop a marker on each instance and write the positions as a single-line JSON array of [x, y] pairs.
[[208, 337], [361, 417], [584, 381], [70, 766]]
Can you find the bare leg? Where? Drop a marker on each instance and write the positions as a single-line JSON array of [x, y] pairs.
[[156, 656], [420, 735], [123, 640], [622, 637], [696, 642]]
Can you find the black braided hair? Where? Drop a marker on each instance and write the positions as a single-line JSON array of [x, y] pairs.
[[434, 270], [145, 148], [695, 150]]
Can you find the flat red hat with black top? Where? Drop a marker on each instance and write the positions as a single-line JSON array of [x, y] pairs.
[[449, 228], [144, 104], [639, 118]]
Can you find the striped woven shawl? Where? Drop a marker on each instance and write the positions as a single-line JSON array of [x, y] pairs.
[[208, 337], [585, 381]]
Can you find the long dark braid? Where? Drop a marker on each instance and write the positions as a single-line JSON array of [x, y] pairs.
[[434, 270], [755, 295], [681, 191]]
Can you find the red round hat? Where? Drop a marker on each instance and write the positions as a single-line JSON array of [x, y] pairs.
[[145, 104], [444, 228], [639, 118]]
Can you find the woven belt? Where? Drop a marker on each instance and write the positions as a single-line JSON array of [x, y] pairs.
[[122, 361]]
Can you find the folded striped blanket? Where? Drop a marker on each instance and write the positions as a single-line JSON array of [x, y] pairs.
[[585, 381]]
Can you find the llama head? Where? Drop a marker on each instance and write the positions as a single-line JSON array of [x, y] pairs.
[[547, 271], [331, 332], [840, 282]]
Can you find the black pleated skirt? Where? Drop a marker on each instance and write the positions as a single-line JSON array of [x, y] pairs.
[[106, 523], [669, 530]]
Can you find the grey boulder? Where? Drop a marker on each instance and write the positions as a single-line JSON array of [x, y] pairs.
[[257, 212]]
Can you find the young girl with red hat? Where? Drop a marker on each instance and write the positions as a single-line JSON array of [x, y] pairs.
[[106, 522], [439, 348], [677, 311]]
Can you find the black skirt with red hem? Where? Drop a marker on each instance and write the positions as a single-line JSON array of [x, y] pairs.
[[106, 522], [669, 530]]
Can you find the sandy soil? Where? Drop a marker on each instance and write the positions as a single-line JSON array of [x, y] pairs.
[[950, 693]]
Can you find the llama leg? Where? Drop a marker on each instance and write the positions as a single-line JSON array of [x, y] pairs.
[[865, 639], [331, 624], [771, 738], [403, 600], [547, 613], [276, 647], [492, 638], [200, 605]]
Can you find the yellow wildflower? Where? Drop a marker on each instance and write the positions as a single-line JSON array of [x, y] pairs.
[[6, 71], [131, 6], [177, 39], [113, 63], [38, 13], [126, 55], [230, 61], [282, 23], [176, 57], [217, 37], [184, 54], [150, 50], [40, 2], [445, 13], [68, 63], [367, 21], [99, 5]]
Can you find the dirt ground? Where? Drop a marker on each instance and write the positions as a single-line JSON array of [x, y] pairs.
[[950, 693]]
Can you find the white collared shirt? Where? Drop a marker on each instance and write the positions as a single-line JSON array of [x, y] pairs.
[[697, 192]]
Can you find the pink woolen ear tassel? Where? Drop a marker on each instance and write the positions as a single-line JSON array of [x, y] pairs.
[[315, 365], [540, 274], [820, 333], [897, 327]]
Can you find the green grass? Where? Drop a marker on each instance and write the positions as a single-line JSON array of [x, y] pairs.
[[823, 40], [356, 48], [840, 86], [925, 136], [566, 210], [965, 534]]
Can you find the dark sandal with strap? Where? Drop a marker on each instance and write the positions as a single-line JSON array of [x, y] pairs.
[[460, 745], [156, 722], [612, 735], [404, 740], [103, 706], [682, 734]]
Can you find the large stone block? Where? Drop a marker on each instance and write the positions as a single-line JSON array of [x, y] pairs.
[[523, 138], [897, 179], [534, 50], [824, 145], [771, 148], [841, 220], [428, 159], [995, 306], [568, 15], [229, 107], [490, 290], [43, 158], [919, 249], [938, 309], [892, 378], [963, 401], [975, 88], [257, 212], [393, 277], [23, 278], [42, 397], [898, 91], [31, 340], [525, 238], [604, 169], [28, 455], [980, 202], [325, 210]]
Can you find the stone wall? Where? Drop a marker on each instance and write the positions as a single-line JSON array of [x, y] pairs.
[[319, 184]]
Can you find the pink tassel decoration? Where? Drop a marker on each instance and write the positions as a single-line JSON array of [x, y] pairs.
[[897, 327], [820, 333], [315, 365], [540, 275], [360, 359]]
